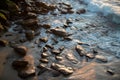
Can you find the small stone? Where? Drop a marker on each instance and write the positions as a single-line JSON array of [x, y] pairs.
[[58, 58], [101, 58], [3, 42], [49, 46], [41, 66], [68, 38], [21, 50], [90, 55], [45, 49], [80, 50], [44, 55], [29, 34], [61, 48], [46, 26], [56, 52], [81, 11], [62, 68], [44, 39], [59, 31], [110, 71], [69, 21], [31, 15], [44, 60]]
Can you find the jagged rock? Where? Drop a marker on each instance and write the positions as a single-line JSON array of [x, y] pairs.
[[81, 11], [3, 42], [21, 50], [80, 50], [62, 68], [44, 39], [59, 31], [101, 58], [44, 55], [44, 60], [29, 34], [56, 52], [29, 71]]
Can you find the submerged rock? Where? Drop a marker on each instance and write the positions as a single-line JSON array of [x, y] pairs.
[[21, 50], [62, 68], [81, 11], [59, 31], [29, 34]]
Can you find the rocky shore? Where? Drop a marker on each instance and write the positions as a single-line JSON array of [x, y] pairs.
[[58, 40]]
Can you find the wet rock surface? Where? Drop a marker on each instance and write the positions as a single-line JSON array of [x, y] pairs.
[[62, 41]]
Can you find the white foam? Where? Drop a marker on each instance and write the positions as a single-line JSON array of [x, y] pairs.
[[107, 7]]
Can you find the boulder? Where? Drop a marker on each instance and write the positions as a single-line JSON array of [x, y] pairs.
[[21, 50], [59, 31], [62, 68]]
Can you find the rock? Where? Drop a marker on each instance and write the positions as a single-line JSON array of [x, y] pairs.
[[59, 31], [29, 22], [110, 71], [68, 38], [69, 21], [62, 68], [45, 49], [41, 66], [49, 46], [21, 50], [44, 55], [80, 50], [24, 62], [27, 72], [46, 26], [29, 34], [101, 58], [56, 52], [81, 11], [31, 15], [90, 55], [44, 39], [59, 58], [3, 42], [61, 48], [44, 60]]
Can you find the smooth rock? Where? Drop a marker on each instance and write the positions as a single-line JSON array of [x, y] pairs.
[[101, 58], [44, 60], [55, 51], [59, 31], [62, 68], [44, 55], [21, 50], [80, 50], [44, 39]]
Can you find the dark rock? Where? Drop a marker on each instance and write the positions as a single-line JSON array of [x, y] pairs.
[[44, 55], [27, 72], [101, 58], [21, 50], [44, 60], [59, 31], [45, 49], [49, 46], [3, 42], [81, 11], [29, 34], [62, 68], [31, 15], [46, 26], [61, 48], [44, 39], [29, 22], [56, 52], [80, 50]]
